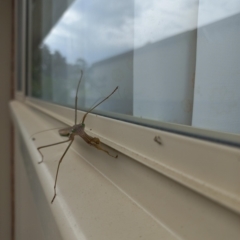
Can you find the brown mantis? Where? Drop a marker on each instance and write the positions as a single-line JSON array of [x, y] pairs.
[[77, 129]]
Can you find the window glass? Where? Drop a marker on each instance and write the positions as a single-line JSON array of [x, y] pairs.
[[174, 61]]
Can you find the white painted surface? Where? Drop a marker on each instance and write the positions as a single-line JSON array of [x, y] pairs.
[[150, 195], [27, 222], [5, 80]]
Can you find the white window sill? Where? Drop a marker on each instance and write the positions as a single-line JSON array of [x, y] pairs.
[[151, 190]]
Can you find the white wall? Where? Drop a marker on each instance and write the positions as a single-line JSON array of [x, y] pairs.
[[27, 219], [5, 80]]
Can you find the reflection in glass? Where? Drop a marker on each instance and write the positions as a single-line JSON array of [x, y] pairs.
[[153, 50], [20, 46]]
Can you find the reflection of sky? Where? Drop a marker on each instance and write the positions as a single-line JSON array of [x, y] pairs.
[[96, 30]]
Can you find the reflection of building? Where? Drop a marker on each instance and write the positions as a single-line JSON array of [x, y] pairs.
[[163, 79], [156, 80], [217, 84], [107, 74], [46, 14]]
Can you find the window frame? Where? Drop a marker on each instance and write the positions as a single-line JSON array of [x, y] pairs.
[[122, 136], [20, 94]]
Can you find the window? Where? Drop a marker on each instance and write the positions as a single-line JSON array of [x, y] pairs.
[[170, 60], [175, 62]]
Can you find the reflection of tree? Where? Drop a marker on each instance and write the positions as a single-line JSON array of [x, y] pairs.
[[46, 73], [36, 74], [41, 73], [54, 79], [59, 77], [74, 71]]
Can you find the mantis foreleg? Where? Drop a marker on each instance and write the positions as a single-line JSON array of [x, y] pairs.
[[49, 145]]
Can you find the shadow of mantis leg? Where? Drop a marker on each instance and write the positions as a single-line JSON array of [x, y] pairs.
[[49, 145], [59, 167]]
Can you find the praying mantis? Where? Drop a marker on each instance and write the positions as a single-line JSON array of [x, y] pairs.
[[76, 130]]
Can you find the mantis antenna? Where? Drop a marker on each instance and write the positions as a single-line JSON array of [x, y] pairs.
[[76, 98]]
